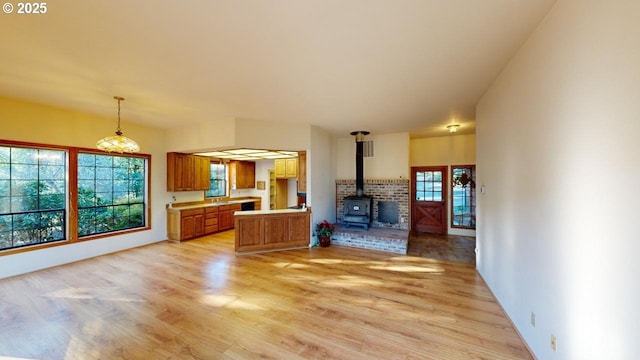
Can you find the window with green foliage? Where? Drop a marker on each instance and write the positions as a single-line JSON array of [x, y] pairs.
[[429, 185], [32, 196], [42, 204], [111, 193], [463, 198], [218, 180]]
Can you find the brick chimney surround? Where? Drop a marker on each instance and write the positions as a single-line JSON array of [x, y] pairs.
[[381, 236]]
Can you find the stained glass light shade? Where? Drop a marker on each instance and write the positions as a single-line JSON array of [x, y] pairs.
[[118, 143]]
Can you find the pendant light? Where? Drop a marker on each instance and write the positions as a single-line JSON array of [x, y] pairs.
[[118, 143]]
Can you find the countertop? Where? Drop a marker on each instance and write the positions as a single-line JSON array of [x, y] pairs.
[[208, 204]]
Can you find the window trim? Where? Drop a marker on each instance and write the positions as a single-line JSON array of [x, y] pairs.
[[72, 200]]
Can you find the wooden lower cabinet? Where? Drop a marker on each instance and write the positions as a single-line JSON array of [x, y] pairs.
[[211, 220], [185, 224], [191, 223], [250, 232], [225, 216], [276, 230], [272, 231]]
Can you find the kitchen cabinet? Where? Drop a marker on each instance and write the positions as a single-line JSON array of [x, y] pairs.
[[286, 168], [271, 230], [191, 223], [187, 172], [302, 172], [291, 168], [195, 220], [242, 174], [202, 171], [225, 216], [211, 220]]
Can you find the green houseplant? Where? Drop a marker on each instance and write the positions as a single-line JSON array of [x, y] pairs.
[[324, 230]]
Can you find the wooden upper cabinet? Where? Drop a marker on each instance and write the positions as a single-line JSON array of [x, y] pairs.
[[187, 172], [242, 174], [280, 168], [177, 178], [291, 167], [286, 168], [202, 173], [302, 172]]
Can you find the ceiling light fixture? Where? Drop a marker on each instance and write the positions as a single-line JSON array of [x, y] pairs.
[[118, 143], [250, 154], [453, 128]]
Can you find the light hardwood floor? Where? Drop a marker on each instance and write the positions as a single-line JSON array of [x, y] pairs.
[[197, 300]]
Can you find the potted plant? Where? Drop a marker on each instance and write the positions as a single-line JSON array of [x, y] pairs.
[[324, 231]]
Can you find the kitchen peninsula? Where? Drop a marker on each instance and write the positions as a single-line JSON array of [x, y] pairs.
[[268, 230]]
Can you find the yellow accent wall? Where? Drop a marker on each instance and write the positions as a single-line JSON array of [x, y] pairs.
[[445, 150]]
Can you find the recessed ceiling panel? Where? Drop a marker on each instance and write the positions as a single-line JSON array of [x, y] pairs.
[[250, 154]]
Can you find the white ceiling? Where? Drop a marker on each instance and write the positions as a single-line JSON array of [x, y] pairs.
[[379, 65]]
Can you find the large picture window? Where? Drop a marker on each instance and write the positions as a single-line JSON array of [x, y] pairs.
[[111, 193], [42, 204], [463, 204], [32, 196]]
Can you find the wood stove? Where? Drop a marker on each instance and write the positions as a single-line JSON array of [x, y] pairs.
[[357, 209]]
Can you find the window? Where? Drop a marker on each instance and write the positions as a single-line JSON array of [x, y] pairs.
[[38, 201], [218, 180], [111, 193], [429, 185], [32, 196], [463, 204]]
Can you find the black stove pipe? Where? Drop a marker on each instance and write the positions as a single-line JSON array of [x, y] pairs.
[[359, 160]]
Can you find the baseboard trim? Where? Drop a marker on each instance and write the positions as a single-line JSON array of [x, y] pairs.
[[507, 316]]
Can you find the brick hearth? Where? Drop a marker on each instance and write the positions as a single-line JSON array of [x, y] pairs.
[[380, 239]]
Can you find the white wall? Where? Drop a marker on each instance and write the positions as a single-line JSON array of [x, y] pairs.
[[557, 150], [321, 177], [390, 160]]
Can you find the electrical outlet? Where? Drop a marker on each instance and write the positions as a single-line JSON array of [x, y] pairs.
[[533, 319], [554, 343]]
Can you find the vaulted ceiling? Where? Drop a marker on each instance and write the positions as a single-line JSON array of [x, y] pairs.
[[379, 65]]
